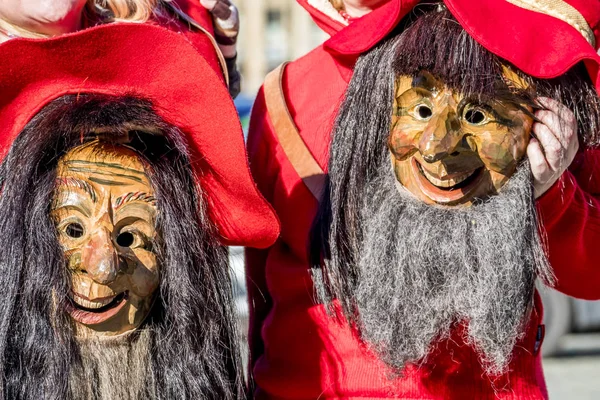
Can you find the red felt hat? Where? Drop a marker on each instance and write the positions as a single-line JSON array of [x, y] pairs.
[[543, 38], [163, 67]]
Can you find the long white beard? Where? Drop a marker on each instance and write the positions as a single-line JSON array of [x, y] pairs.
[[424, 268], [113, 368]]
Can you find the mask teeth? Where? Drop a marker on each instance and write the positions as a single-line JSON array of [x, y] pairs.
[[92, 304], [448, 182]]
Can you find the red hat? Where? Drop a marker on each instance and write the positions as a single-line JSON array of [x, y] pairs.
[[543, 38], [163, 67]]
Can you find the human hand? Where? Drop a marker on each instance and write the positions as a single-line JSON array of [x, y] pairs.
[[227, 24], [554, 146]]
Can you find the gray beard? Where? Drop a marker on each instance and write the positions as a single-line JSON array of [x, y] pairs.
[[424, 269], [113, 368]]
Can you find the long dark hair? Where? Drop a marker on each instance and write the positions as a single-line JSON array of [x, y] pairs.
[[431, 39], [194, 351]]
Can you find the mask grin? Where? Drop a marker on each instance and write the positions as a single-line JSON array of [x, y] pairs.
[[96, 311], [450, 188]]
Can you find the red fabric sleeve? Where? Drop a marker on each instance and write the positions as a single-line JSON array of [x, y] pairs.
[[260, 154], [570, 214]]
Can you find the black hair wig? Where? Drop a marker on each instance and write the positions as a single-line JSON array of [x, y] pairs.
[[431, 39], [194, 352]]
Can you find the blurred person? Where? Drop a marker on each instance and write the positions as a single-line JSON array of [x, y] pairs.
[[44, 18], [298, 348]]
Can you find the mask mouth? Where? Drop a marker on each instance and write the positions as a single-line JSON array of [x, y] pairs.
[[452, 190], [91, 312]]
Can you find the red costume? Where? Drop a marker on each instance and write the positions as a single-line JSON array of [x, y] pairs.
[[297, 350], [110, 84]]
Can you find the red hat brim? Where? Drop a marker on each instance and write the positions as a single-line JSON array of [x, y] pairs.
[[163, 67], [538, 44]]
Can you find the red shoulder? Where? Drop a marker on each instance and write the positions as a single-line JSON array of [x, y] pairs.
[[314, 87]]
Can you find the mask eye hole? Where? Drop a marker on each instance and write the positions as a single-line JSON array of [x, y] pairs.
[[423, 111], [74, 230], [125, 239], [475, 116]]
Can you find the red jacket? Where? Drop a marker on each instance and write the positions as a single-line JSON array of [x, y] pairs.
[[298, 351]]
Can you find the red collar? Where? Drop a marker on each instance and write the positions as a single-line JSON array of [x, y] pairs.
[[325, 22]]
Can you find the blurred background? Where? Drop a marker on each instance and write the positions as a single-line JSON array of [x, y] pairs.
[[274, 31], [271, 32]]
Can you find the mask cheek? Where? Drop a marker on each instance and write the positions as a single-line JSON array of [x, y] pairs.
[[500, 152], [144, 280], [501, 162], [404, 139]]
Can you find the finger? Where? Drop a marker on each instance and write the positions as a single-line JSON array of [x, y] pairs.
[[554, 105], [564, 131], [550, 146], [563, 112], [537, 161], [561, 129]]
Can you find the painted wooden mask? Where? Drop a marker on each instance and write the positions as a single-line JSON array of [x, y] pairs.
[[450, 149], [105, 212]]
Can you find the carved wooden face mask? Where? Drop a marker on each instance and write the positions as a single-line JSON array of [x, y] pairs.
[[450, 150], [105, 213]]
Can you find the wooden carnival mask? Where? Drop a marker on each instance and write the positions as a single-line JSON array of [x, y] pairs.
[[105, 212], [450, 150]]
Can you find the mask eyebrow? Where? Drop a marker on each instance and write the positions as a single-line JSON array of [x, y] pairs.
[[93, 165], [134, 196], [80, 184]]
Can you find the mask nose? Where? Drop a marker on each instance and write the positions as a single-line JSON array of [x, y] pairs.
[[441, 136], [99, 257]]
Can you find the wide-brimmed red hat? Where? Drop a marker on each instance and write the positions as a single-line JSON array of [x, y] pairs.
[[161, 66], [543, 38]]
